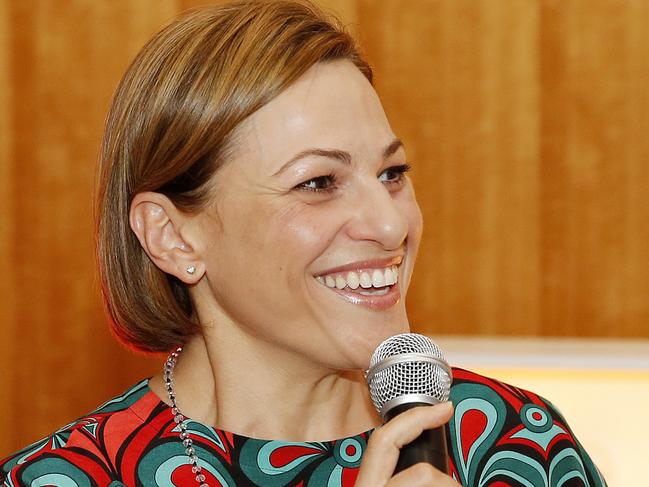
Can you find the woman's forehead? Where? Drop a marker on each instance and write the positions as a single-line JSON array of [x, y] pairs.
[[331, 106]]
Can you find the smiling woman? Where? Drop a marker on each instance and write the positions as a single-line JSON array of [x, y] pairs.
[[319, 216], [256, 220]]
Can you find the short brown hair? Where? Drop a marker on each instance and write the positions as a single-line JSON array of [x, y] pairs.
[[170, 123]]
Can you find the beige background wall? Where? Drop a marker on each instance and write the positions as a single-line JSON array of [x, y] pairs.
[[526, 122]]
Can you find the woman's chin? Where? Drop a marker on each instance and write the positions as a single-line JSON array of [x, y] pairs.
[[361, 347]]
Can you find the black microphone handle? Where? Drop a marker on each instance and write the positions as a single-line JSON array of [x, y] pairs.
[[429, 447]]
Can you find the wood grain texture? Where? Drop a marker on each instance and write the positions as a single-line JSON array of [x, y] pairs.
[[525, 121], [8, 290], [594, 175]]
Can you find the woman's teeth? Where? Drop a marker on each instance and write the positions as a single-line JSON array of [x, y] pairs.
[[371, 278]]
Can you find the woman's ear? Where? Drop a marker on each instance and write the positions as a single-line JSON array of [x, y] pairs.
[[158, 225]]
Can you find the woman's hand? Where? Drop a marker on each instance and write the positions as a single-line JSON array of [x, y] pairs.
[[380, 458]]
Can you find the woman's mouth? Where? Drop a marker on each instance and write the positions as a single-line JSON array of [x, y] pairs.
[[376, 288]]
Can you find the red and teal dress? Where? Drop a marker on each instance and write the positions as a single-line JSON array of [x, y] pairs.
[[499, 436]]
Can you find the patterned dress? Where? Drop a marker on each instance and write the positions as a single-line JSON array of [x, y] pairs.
[[499, 436]]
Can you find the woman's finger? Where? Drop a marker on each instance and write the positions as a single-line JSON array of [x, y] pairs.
[[382, 453]]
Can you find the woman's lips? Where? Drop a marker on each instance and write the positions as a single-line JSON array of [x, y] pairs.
[[388, 297], [366, 264], [376, 288]]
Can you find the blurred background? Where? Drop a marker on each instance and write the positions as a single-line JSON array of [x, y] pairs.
[[526, 123]]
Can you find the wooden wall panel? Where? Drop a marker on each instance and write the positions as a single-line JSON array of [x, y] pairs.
[[594, 173], [7, 285], [525, 121]]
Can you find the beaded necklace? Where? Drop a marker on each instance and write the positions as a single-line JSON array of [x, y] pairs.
[[180, 419]]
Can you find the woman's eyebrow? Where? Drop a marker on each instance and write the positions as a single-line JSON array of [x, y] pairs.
[[392, 148], [342, 156]]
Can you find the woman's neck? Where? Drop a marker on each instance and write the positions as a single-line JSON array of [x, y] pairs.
[[245, 386]]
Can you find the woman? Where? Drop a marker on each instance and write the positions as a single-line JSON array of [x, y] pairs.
[[254, 209]]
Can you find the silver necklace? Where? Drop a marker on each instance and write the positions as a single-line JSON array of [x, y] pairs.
[[180, 419]]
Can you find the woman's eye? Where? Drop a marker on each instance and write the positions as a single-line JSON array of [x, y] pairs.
[[321, 183], [394, 174]]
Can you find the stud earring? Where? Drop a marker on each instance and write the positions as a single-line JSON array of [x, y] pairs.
[[191, 269]]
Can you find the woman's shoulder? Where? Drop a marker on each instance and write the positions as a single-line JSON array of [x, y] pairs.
[[500, 432], [86, 448]]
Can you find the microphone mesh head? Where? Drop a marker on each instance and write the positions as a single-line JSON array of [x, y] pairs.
[[408, 375]]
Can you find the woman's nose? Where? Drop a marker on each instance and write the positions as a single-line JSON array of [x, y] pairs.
[[375, 216]]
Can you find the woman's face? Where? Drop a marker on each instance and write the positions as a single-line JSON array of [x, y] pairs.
[[314, 219]]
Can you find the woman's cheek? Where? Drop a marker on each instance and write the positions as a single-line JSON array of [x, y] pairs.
[[313, 227]]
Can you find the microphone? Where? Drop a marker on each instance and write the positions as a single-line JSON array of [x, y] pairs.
[[406, 371]]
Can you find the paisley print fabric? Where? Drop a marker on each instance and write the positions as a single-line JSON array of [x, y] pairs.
[[499, 436], [504, 436]]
